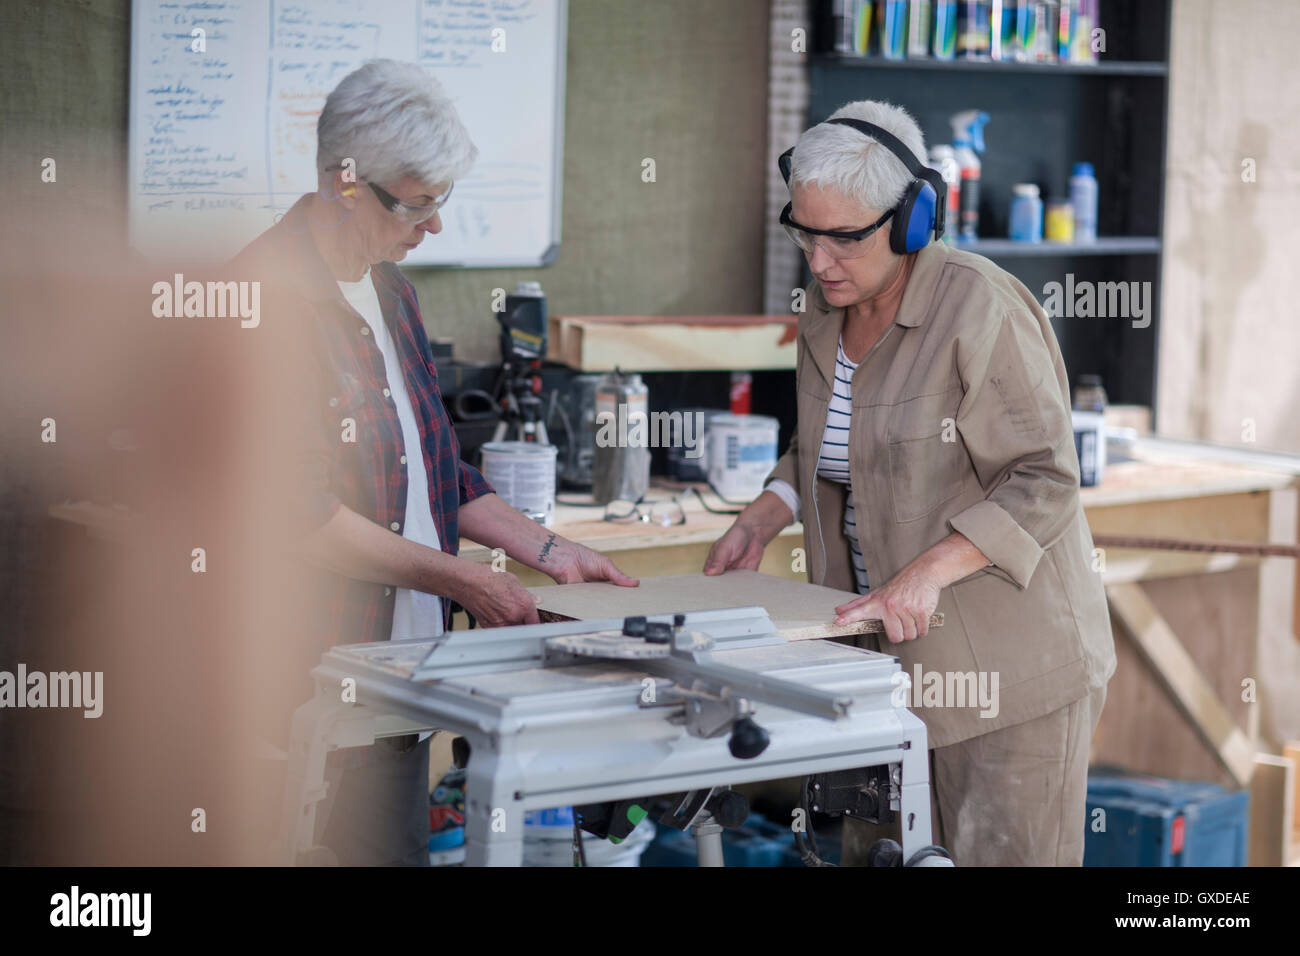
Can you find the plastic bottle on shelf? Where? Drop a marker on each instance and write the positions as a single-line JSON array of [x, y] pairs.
[[1083, 197], [944, 159], [967, 143], [1026, 213], [1058, 221]]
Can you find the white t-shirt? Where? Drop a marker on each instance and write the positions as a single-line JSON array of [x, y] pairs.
[[415, 613]]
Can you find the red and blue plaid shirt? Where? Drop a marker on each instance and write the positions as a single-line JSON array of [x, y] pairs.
[[369, 474]]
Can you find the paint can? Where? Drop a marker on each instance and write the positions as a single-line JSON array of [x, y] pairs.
[[523, 474], [548, 841], [620, 466], [742, 453]]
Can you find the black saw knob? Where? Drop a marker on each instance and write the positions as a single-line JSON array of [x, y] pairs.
[[634, 626], [748, 740]]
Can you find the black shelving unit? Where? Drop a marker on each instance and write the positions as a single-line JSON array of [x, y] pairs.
[[1043, 119]]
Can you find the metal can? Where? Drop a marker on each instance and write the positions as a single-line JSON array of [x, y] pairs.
[[620, 467], [742, 391]]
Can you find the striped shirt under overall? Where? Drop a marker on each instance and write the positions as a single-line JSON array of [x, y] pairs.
[[833, 463]]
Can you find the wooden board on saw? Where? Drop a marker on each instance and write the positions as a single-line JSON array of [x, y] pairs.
[[800, 611]]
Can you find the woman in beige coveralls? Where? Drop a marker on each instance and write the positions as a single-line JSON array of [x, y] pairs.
[[960, 478]]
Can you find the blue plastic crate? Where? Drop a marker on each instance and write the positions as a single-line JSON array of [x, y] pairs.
[[1154, 821], [759, 842]]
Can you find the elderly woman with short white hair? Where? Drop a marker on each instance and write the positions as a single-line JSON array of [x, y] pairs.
[[382, 508], [934, 469]]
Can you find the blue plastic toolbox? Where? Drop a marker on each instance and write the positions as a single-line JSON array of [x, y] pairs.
[[1154, 821], [759, 842]]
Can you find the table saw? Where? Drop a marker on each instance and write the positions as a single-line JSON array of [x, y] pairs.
[[581, 712]]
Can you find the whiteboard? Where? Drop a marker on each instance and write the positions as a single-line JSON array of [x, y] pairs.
[[222, 141]]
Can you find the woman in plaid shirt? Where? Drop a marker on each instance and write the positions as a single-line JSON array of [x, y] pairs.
[[385, 496]]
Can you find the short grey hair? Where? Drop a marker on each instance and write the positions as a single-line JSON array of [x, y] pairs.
[[831, 156], [394, 120]]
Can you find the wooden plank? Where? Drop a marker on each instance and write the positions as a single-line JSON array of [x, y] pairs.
[[1177, 673], [1295, 608], [799, 610], [1292, 752], [1276, 634], [1124, 565], [1272, 794], [676, 343]]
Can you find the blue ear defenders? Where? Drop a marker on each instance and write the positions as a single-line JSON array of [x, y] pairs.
[[920, 213]]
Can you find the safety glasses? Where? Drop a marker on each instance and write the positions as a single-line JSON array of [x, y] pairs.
[[837, 244], [405, 211]]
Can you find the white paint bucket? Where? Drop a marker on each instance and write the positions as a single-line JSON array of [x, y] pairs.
[[523, 474], [742, 453]]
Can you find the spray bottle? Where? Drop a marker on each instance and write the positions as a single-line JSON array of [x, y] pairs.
[[944, 160], [967, 142]]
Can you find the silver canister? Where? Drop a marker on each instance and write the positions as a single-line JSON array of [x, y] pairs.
[[621, 460]]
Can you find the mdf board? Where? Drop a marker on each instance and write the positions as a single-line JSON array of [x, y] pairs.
[[798, 609], [686, 558]]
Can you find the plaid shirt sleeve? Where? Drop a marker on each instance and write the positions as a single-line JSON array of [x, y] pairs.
[[472, 483]]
